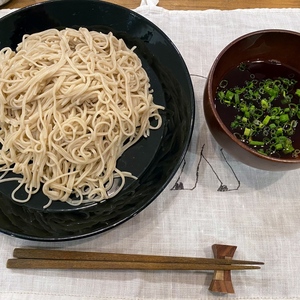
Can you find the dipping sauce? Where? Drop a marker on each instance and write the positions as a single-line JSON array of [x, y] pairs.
[[259, 102]]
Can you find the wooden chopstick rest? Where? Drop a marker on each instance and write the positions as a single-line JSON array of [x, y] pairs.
[[221, 281]]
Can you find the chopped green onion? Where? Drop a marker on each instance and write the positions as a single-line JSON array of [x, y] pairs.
[[242, 66], [247, 131], [288, 149], [262, 152], [264, 104], [279, 131], [284, 118], [261, 122], [223, 83], [256, 143], [266, 120], [229, 95]]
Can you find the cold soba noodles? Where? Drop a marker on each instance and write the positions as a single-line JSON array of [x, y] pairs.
[[71, 102]]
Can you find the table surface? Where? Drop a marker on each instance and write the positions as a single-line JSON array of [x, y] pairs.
[[219, 200], [189, 4]]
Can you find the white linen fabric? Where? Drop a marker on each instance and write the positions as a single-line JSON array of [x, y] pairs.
[[259, 213]]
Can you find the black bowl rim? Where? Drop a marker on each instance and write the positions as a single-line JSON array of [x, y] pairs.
[[187, 142]]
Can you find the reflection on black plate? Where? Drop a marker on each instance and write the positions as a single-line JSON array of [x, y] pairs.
[[153, 160]]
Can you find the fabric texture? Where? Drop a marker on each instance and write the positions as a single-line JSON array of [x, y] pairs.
[[259, 212]]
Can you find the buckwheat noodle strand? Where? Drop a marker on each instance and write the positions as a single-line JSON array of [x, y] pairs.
[[71, 102]]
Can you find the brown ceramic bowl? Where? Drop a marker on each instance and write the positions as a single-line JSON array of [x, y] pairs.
[[278, 45]]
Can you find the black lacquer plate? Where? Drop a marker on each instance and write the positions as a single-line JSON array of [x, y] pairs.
[[153, 160]]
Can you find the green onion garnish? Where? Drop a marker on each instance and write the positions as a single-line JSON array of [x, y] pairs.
[[261, 121]]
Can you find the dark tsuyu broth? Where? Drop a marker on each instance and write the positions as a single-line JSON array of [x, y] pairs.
[[260, 72]]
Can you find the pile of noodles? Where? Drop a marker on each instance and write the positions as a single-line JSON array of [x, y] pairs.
[[71, 102]]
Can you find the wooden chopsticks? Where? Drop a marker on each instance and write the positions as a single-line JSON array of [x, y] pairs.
[[26, 258]]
